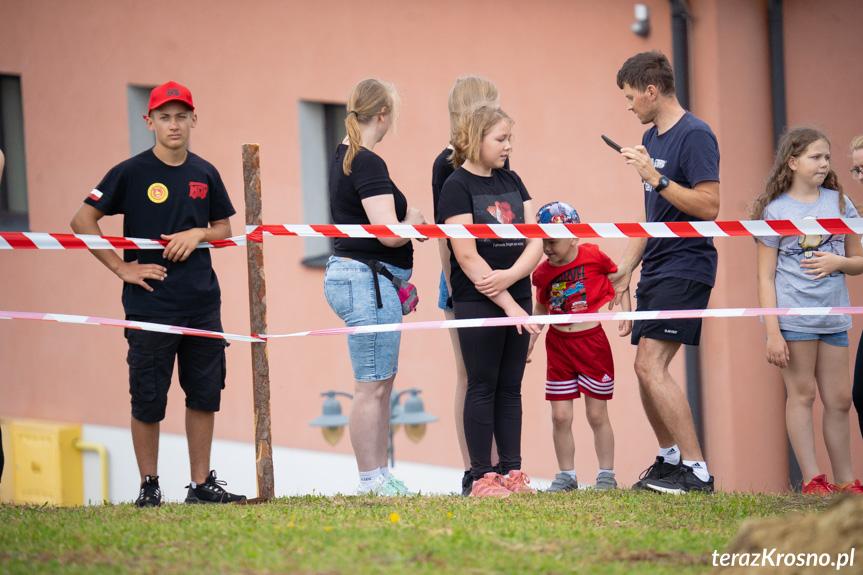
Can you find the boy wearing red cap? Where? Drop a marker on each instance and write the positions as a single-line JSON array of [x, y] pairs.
[[574, 279], [170, 193]]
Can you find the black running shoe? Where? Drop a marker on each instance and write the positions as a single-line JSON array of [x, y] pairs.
[[659, 470], [466, 483], [151, 495], [210, 491], [681, 481]]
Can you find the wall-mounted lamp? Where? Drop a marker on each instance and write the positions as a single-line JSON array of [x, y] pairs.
[[412, 415], [641, 26]]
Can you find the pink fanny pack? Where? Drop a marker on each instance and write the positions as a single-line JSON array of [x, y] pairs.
[[406, 291]]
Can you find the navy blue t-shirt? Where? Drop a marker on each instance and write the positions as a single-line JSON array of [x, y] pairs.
[[687, 154], [157, 199], [369, 177], [496, 199]]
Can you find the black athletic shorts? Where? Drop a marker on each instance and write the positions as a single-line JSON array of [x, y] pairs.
[[666, 294], [201, 365]]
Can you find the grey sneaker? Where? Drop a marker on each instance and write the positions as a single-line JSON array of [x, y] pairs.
[[562, 482], [605, 481]]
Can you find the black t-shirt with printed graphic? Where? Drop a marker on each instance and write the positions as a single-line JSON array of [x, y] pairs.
[[157, 199], [497, 199]]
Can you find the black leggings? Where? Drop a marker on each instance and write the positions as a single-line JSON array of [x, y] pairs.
[[857, 390], [494, 358]]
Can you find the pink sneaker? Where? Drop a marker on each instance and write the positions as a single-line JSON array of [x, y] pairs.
[[853, 488], [489, 486], [819, 486], [516, 481]]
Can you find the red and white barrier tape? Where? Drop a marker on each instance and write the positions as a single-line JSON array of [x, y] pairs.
[[142, 325], [618, 230], [44, 241], [745, 228], [446, 324]]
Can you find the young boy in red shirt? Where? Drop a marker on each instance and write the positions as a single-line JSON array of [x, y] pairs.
[[574, 280]]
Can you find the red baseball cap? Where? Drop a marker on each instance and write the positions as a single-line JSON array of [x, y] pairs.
[[169, 92]]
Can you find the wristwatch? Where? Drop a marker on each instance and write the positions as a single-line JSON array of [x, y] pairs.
[[663, 183]]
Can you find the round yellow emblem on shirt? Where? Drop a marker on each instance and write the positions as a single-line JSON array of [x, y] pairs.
[[157, 193]]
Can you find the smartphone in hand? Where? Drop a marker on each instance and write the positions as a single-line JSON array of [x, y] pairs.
[[611, 144]]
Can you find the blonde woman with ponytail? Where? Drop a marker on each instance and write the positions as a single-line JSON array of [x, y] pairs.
[[361, 192]]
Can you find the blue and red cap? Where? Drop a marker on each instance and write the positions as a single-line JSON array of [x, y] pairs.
[[557, 213]]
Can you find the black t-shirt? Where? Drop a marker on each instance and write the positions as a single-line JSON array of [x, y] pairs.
[[157, 199], [369, 177], [497, 199], [441, 170]]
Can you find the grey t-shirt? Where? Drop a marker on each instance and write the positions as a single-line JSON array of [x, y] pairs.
[[797, 289]]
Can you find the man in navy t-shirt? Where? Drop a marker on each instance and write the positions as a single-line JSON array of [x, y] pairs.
[[678, 161], [170, 193]]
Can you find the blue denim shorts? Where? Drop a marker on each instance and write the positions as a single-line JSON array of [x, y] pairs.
[[444, 294], [350, 290], [838, 339]]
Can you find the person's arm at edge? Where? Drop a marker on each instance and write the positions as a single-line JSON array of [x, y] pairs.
[[777, 348], [628, 262], [86, 221], [538, 309], [182, 244], [381, 211]]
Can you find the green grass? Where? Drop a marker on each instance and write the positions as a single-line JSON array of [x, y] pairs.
[[591, 532]]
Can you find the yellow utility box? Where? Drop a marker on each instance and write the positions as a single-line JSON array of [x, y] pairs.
[[46, 467], [6, 480]]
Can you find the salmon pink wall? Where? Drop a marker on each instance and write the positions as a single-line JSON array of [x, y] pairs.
[[248, 66]]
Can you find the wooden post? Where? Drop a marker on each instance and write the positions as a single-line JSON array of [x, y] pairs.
[[258, 320]]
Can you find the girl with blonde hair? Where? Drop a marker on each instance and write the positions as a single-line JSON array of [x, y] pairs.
[[466, 92], [490, 278], [361, 192]]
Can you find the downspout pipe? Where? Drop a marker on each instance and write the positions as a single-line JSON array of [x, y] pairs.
[[776, 40], [680, 23]]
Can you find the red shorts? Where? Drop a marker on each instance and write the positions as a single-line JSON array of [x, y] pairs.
[[578, 362]]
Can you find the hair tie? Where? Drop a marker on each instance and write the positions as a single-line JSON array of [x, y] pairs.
[[353, 112]]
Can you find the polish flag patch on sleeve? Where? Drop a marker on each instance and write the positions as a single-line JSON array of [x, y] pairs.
[[95, 195]]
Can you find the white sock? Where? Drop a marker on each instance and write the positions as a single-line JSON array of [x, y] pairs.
[[671, 455], [570, 472], [369, 479], [699, 468], [611, 471], [385, 471]]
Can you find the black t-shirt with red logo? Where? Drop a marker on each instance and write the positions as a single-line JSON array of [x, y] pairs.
[[496, 199], [157, 199]]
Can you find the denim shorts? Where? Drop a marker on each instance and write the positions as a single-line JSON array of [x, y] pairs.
[[838, 339], [444, 294], [350, 290]]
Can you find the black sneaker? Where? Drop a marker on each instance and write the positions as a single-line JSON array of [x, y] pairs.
[[466, 483], [681, 481], [151, 495], [659, 470], [210, 492]]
